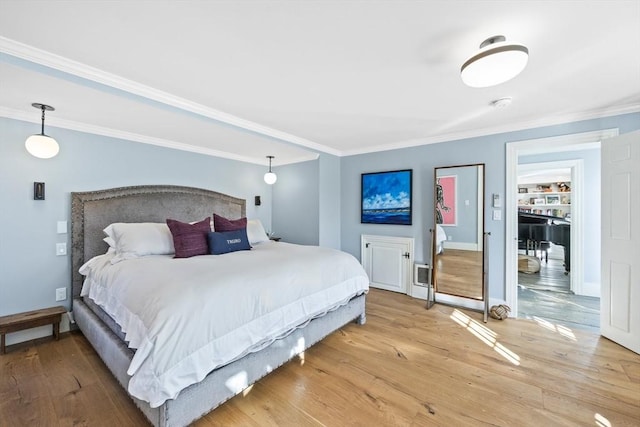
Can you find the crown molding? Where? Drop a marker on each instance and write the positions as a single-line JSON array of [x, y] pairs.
[[78, 69], [512, 127], [68, 66], [145, 139]]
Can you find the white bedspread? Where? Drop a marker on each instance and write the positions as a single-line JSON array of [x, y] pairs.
[[185, 317]]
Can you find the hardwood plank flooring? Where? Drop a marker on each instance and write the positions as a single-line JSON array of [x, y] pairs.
[[406, 367], [546, 295]]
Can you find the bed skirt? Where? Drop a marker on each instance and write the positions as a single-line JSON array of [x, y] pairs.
[[223, 383]]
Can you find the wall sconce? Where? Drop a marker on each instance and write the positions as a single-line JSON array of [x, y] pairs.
[[38, 191], [41, 145], [270, 177]]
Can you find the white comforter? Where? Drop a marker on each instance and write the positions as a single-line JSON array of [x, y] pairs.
[[185, 317]]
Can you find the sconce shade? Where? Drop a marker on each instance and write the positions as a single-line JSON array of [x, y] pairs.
[[497, 62], [42, 146], [270, 177]]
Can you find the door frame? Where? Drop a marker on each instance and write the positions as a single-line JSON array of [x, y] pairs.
[[514, 149]]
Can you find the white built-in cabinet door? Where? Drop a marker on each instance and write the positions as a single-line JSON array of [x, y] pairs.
[[388, 261]]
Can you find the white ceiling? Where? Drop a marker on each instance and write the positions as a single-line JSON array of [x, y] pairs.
[[246, 79]]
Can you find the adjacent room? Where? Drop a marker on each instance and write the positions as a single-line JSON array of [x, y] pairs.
[[319, 213]]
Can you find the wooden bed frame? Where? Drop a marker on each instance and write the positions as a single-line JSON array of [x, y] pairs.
[[92, 211]]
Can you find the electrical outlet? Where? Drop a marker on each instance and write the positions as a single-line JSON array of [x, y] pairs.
[[61, 294], [61, 249]]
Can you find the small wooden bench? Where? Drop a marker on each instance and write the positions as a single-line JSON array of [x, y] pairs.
[[30, 319]]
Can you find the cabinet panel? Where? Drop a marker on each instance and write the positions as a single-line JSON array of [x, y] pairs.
[[388, 262]]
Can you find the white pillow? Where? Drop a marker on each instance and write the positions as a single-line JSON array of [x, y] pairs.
[[109, 241], [255, 232], [112, 244], [133, 240]]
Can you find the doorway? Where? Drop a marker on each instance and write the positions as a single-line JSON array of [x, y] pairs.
[[583, 279], [548, 287]]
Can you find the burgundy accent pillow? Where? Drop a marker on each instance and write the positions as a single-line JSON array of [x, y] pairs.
[[190, 239], [221, 223]]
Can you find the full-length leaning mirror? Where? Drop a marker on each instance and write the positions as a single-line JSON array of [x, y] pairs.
[[459, 231]]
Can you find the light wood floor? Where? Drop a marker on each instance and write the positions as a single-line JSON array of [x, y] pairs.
[[459, 272], [406, 367]]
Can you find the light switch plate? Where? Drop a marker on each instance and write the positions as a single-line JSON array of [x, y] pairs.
[[62, 227], [61, 294], [61, 249], [497, 215]]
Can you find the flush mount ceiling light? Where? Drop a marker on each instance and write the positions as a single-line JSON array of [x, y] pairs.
[[270, 177], [41, 145], [497, 62]]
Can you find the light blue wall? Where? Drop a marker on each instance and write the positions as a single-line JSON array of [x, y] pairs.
[[296, 203], [306, 202], [329, 227], [486, 149], [29, 269], [592, 245]]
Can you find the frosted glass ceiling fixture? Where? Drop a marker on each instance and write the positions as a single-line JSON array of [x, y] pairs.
[[270, 177], [41, 145], [497, 62]]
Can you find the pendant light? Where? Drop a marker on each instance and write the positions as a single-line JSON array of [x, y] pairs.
[[497, 62], [270, 177], [41, 145]]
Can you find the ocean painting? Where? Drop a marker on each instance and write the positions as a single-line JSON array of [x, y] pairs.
[[386, 197]]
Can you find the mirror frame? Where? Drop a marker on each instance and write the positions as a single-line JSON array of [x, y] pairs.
[[481, 234]]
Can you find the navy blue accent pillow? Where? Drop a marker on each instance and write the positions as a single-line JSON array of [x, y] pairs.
[[222, 242]]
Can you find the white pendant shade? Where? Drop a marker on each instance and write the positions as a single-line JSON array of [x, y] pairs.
[[497, 62], [270, 178], [42, 146]]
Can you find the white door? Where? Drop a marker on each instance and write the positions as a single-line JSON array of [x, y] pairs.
[[620, 299], [388, 261]]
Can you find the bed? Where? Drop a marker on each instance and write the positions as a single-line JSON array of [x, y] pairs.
[[93, 211]]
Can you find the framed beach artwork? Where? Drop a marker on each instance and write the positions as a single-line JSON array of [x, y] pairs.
[[446, 203], [386, 197]]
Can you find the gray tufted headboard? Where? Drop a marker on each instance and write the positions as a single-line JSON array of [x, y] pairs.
[[92, 211]]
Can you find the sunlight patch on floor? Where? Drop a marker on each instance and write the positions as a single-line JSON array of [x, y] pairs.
[[601, 421], [247, 390], [485, 335], [562, 330]]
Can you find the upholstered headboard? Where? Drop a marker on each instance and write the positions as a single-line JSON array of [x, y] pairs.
[[92, 211]]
